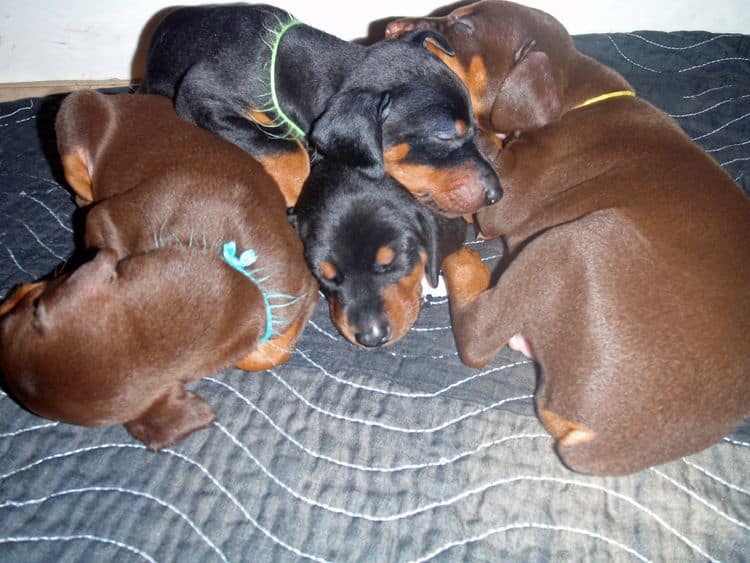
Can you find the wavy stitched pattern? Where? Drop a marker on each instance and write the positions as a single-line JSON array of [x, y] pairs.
[[345, 455]]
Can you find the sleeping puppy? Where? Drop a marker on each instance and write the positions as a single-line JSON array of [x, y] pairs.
[[197, 270], [370, 244], [628, 266], [270, 84]]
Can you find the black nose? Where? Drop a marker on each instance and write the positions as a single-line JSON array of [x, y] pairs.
[[492, 192], [375, 334]]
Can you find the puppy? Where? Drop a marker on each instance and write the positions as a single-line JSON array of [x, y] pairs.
[[369, 243], [270, 84], [197, 270], [626, 276]]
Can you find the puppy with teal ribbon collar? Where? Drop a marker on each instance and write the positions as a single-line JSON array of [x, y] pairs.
[[196, 270]]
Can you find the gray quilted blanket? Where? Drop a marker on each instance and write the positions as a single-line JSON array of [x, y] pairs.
[[349, 455]]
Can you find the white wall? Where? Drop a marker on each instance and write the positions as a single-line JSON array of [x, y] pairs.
[[97, 39]]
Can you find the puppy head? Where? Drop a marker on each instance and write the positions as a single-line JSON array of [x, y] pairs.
[[513, 60], [369, 244], [86, 347], [405, 114], [429, 136]]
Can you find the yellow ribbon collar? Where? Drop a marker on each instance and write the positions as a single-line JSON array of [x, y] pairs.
[[605, 97]]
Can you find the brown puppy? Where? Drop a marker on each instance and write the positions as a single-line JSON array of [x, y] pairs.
[[627, 274], [170, 296]]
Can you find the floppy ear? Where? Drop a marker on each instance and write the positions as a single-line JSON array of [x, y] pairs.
[[350, 128], [83, 283], [530, 96], [80, 127], [430, 40], [429, 233], [443, 237]]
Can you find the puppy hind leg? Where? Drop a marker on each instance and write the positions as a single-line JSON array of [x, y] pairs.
[[274, 352], [201, 99], [600, 456], [170, 418]]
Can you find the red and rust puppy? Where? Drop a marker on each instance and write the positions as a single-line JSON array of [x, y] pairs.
[[626, 275], [267, 82], [370, 243], [197, 270]]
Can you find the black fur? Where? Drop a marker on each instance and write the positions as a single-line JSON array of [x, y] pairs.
[[351, 101], [344, 216]]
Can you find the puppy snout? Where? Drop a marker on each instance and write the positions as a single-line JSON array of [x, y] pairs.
[[374, 334], [492, 190], [492, 194]]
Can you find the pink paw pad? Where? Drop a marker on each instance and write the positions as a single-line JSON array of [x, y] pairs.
[[521, 344]]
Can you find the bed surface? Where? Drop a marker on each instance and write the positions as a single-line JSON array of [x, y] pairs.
[[349, 455]]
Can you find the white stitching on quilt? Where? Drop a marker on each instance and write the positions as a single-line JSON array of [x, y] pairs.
[[12, 257], [724, 60], [529, 525], [184, 458], [47, 207], [727, 124], [11, 114], [716, 478], [456, 498], [716, 105], [732, 146], [47, 248], [185, 517], [437, 393], [323, 332], [700, 499], [728, 162], [37, 539], [631, 61], [699, 44], [384, 426], [370, 468], [708, 91], [30, 429], [244, 511], [737, 443]]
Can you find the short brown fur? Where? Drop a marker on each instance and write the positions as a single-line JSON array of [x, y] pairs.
[[115, 340], [627, 270]]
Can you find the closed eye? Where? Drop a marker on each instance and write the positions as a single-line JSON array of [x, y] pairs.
[[458, 133], [445, 137], [464, 26]]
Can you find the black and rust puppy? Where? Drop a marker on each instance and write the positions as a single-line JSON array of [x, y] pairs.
[[370, 243], [270, 84]]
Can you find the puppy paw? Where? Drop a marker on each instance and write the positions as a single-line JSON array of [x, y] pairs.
[[521, 344], [170, 418], [466, 276]]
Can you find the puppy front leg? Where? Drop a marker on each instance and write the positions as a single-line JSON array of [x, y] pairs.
[[474, 323], [486, 318]]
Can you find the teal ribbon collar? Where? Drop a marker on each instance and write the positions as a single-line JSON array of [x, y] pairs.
[[271, 300]]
